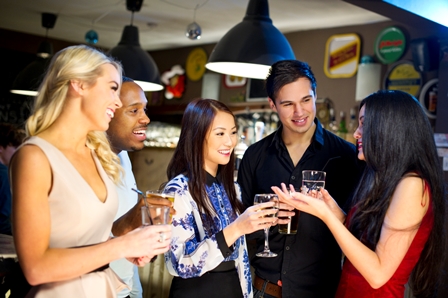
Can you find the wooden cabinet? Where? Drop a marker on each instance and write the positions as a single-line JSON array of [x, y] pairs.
[[149, 167]]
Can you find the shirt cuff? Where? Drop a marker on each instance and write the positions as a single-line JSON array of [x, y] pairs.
[[222, 245]]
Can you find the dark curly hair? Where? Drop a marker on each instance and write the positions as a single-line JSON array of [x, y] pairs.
[[10, 135]]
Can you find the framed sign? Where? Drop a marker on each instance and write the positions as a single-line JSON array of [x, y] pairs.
[[233, 81], [342, 55], [403, 76]]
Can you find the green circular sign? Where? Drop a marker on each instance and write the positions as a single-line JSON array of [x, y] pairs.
[[390, 45]]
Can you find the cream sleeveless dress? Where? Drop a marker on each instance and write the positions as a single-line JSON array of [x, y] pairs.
[[78, 218]]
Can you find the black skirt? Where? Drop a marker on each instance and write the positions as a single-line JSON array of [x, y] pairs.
[[212, 284]]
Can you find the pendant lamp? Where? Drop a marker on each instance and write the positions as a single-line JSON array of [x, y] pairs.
[[252, 46], [28, 80], [137, 63]]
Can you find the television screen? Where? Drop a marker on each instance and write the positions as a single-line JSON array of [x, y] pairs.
[[256, 90]]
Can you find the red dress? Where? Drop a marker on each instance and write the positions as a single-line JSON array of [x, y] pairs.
[[353, 284]]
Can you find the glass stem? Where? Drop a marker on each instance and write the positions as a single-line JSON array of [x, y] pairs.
[[266, 240]]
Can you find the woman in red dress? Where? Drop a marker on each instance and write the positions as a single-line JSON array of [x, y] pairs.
[[394, 231]]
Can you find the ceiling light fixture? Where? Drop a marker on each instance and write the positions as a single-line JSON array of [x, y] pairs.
[[252, 46], [193, 30], [137, 63], [91, 36], [28, 80]]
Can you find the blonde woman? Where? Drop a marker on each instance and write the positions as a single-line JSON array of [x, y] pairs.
[[64, 198]]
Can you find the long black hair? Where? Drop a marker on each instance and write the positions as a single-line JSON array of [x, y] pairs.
[[188, 158], [398, 140]]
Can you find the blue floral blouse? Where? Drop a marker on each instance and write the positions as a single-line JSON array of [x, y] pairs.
[[197, 245]]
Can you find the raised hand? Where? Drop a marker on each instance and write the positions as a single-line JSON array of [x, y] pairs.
[[132, 219], [316, 203], [143, 243], [256, 218], [159, 201]]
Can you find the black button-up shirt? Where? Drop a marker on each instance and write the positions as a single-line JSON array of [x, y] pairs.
[[308, 263]]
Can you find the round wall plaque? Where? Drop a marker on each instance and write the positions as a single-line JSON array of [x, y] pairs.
[[195, 65], [390, 45]]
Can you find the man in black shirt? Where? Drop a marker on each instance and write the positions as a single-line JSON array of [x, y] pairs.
[[308, 263]]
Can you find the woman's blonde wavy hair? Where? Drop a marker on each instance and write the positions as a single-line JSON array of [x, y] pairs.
[[75, 62]]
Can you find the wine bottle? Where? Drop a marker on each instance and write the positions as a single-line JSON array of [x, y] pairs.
[[351, 127], [332, 126], [342, 129]]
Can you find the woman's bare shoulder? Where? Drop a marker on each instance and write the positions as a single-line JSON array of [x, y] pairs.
[[29, 153], [407, 206], [30, 162]]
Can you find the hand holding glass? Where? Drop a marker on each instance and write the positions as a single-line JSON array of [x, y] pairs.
[[161, 197], [264, 198], [160, 194], [291, 227], [156, 215]]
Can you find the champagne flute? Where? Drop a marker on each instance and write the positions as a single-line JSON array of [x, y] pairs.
[[263, 198]]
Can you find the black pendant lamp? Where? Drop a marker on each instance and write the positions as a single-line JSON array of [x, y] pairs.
[[28, 80], [137, 63], [252, 46]]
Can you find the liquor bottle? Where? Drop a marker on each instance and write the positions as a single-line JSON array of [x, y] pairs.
[[322, 113], [432, 105], [342, 129], [351, 127], [332, 126]]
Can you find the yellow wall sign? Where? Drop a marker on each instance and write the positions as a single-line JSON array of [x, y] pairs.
[[342, 55], [403, 76], [195, 65]]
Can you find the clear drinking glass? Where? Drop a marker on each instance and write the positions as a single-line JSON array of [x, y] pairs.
[[264, 198], [146, 219], [160, 215], [312, 180], [162, 193]]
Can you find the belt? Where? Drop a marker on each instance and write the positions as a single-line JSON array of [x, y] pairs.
[[100, 268], [270, 289]]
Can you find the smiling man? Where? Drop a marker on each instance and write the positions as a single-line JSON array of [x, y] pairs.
[[308, 262], [127, 131]]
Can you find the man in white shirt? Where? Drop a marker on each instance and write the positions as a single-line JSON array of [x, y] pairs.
[[126, 132]]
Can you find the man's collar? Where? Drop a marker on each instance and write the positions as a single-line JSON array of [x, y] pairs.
[[318, 134]]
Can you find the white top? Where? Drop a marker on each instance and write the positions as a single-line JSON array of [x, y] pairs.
[[127, 198], [78, 218], [194, 248]]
